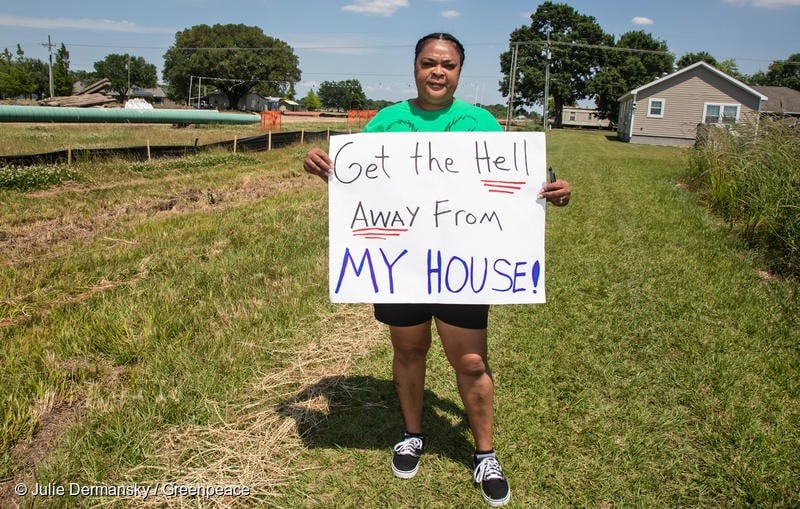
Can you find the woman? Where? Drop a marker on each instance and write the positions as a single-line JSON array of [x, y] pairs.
[[438, 60]]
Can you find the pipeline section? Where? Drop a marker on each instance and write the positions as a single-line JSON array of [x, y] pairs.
[[55, 114]]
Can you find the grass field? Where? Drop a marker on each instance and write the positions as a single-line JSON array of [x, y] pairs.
[[168, 322]]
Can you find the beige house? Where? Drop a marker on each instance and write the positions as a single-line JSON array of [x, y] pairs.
[[668, 110], [572, 116], [782, 101]]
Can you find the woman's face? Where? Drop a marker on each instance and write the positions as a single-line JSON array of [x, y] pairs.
[[436, 72]]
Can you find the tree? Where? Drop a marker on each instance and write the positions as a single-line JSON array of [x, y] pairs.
[[125, 71], [571, 41], [728, 66], [17, 77], [645, 59], [311, 101], [40, 74], [378, 104], [781, 73], [238, 58], [5, 72], [85, 77], [498, 110], [342, 95], [62, 81], [691, 58]]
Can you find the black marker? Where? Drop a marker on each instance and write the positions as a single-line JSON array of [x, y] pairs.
[[551, 175]]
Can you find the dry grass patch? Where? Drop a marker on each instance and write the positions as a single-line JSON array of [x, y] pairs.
[[254, 442], [20, 242]]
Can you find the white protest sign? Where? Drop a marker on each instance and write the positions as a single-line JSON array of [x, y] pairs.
[[437, 218]]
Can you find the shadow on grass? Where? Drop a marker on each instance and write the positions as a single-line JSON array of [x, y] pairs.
[[362, 412]]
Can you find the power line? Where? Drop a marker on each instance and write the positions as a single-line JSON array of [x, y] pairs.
[[541, 42]]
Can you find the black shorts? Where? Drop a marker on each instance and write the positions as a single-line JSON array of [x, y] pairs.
[[467, 316]]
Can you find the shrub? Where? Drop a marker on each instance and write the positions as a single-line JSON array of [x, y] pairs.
[[31, 178], [751, 175]]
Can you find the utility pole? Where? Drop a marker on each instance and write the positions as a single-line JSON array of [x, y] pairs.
[[128, 67], [511, 86], [546, 84], [50, 67]]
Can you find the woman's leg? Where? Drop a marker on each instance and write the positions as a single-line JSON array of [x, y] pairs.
[[467, 352], [411, 345]]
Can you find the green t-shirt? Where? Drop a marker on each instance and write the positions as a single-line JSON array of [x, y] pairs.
[[458, 117]]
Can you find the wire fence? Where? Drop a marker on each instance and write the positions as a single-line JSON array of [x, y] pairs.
[[259, 143]]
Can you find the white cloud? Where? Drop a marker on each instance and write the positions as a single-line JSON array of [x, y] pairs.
[[451, 14], [104, 25], [376, 7], [641, 20], [767, 4]]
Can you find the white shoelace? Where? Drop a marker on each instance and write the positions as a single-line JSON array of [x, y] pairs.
[[409, 447], [488, 468]]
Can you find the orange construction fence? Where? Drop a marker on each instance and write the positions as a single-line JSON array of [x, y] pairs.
[[360, 115], [270, 120]]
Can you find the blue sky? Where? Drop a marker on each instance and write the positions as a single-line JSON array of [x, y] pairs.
[[372, 40]]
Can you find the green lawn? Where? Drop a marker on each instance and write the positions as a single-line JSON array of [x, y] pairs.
[[169, 322]]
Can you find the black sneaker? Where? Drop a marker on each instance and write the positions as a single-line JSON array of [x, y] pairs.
[[405, 460], [494, 485]]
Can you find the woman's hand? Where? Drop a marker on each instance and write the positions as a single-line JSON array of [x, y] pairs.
[[318, 163], [557, 193]]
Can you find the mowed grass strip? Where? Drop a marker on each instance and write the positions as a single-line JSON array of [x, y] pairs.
[[662, 371], [77, 309]]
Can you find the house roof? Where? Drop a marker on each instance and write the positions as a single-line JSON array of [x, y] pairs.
[[695, 65], [780, 100], [148, 92]]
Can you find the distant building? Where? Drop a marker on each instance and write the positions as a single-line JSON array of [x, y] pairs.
[[217, 100], [251, 102], [152, 95], [572, 116]]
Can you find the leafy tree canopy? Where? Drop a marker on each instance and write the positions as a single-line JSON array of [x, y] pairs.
[[40, 75], [311, 101], [691, 58], [16, 74], [569, 39], [781, 73], [342, 95], [378, 104], [122, 70], [239, 58], [728, 66], [62, 79], [639, 60]]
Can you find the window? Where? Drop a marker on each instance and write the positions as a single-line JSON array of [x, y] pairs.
[[572, 115], [656, 108], [721, 113]]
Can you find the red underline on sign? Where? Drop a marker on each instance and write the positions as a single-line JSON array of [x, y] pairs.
[[503, 186], [378, 233]]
